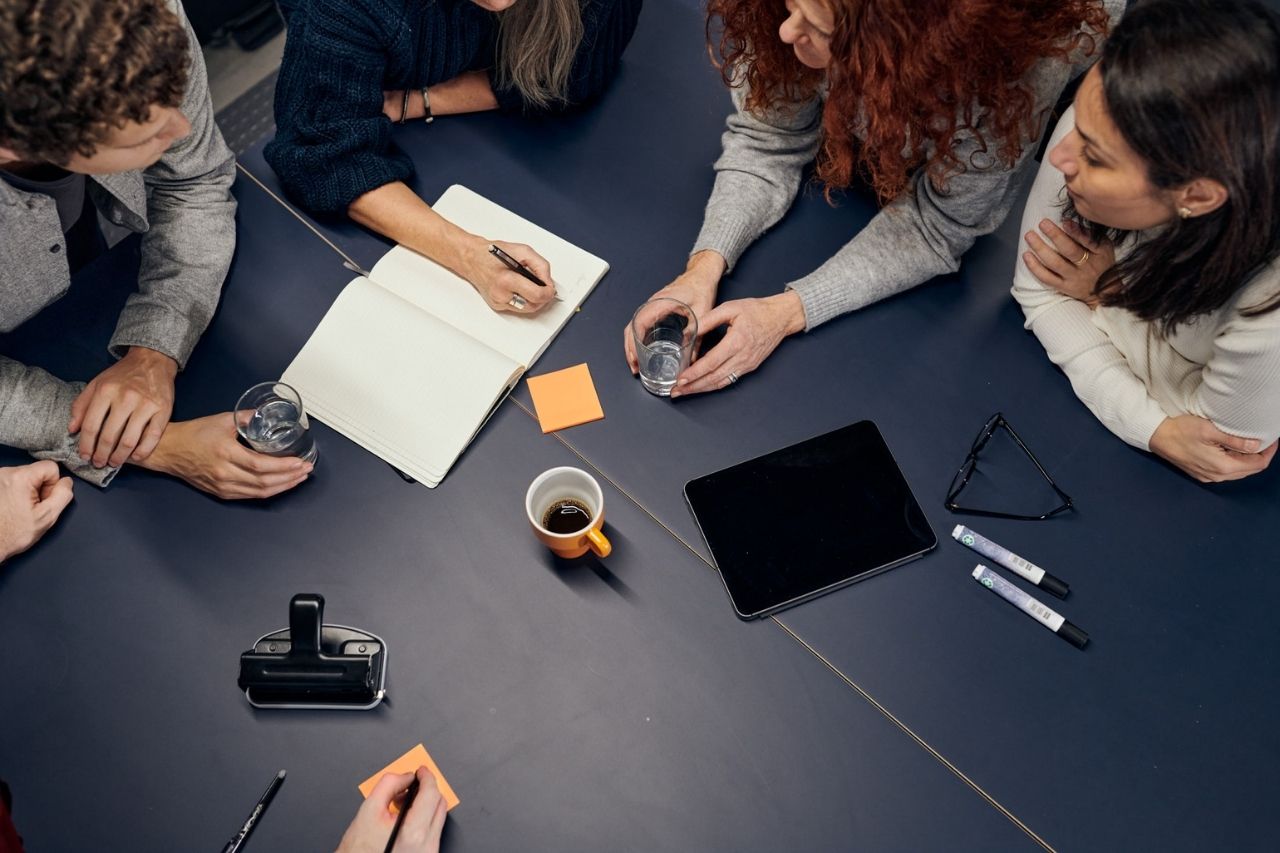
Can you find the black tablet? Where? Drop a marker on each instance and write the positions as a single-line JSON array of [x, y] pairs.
[[813, 517]]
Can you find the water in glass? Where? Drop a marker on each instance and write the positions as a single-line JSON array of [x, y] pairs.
[[661, 367], [277, 428]]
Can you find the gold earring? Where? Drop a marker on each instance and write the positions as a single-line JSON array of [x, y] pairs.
[[1184, 212]]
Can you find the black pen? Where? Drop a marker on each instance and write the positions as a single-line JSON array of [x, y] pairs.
[[515, 266], [238, 841], [410, 793]]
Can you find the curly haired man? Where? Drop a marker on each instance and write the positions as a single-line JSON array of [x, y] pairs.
[[106, 128]]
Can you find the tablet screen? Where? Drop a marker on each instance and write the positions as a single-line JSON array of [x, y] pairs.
[[808, 519]]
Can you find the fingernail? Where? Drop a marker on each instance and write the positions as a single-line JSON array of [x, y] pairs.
[[1044, 222]]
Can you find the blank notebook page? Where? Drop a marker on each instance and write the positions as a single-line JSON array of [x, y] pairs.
[[385, 367]]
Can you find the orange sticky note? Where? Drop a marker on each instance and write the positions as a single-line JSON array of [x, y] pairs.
[[565, 398], [408, 763]]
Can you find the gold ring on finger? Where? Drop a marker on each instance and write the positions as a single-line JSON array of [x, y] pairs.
[[1083, 259]]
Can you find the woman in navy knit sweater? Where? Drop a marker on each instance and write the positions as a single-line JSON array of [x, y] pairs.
[[353, 67]]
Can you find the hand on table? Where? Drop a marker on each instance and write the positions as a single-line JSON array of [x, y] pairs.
[[756, 327], [31, 499], [1057, 263], [497, 284], [206, 453], [420, 832], [122, 413], [695, 287], [1207, 453]]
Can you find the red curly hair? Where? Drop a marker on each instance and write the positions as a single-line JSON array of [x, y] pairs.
[[919, 71]]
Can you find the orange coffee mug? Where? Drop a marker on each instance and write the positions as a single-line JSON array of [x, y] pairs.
[[566, 511]]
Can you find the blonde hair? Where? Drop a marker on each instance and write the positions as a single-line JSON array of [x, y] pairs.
[[537, 42]]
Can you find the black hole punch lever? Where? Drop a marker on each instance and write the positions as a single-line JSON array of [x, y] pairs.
[[314, 665]]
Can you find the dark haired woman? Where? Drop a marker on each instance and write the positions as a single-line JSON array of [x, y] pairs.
[[1157, 293], [353, 67], [939, 104]]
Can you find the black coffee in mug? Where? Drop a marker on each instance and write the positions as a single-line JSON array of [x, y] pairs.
[[567, 515]]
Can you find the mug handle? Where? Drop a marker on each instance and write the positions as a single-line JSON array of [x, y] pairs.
[[599, 542]]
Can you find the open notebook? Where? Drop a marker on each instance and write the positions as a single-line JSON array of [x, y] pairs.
[[410, 362]]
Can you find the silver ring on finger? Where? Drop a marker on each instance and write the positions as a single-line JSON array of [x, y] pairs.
[[517, 302], [733, 378]]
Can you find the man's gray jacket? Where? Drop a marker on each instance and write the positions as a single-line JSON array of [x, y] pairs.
[[182, 206]]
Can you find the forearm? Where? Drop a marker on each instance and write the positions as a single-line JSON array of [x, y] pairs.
[[395, 211], [704, 271], [1099, 373], [920, 235], [469, 92]]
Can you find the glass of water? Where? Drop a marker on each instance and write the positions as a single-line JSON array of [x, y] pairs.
[[271, 420], [665, 332]]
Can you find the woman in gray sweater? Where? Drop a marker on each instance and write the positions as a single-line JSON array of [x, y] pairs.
[[941, 135]]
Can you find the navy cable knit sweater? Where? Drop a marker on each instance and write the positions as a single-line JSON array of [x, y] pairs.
[[333, 144]]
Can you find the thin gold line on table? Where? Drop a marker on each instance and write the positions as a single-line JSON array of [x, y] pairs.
[[349, 262], [853, 685]]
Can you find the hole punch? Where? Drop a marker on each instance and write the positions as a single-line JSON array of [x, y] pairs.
[[313, 665]]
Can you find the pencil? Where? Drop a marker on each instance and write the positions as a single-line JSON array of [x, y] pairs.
[[240, 838]]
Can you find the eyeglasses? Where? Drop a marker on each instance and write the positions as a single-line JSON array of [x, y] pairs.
[[961, 479]]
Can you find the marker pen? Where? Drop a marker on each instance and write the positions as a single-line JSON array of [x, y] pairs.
[[1002, 556], [1019, 599]]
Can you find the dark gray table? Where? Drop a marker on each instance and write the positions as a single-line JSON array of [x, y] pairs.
[[1158, 734], [573, 706]]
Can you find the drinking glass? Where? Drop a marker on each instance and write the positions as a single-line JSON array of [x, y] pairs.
[[665, 332], [271, 420]]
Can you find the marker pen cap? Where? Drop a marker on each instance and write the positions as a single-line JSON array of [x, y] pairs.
[[1073, 635], [1054, 586]]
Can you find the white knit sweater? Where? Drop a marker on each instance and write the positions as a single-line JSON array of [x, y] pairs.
[[1222, 366]]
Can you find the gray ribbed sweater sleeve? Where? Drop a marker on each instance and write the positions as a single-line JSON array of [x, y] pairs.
[[917, 236], [757, 175]]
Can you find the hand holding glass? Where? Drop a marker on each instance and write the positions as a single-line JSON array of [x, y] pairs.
[[665, 332]]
